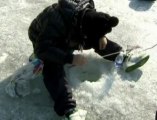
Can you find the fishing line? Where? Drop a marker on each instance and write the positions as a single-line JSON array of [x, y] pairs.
[[129, 50]]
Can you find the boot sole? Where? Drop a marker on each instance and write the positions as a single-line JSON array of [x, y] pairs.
[[137, 65]]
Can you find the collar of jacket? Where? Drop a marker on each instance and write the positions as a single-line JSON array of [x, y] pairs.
[[71, 8]]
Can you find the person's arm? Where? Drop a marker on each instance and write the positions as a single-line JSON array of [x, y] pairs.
[[46, 52], [45, 44]]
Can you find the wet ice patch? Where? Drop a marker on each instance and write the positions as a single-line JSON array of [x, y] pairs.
[[91, 71]]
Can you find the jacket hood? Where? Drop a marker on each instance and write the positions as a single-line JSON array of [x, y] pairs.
[[70, 8]]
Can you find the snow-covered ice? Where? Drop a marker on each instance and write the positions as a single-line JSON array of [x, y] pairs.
[[98, 88]]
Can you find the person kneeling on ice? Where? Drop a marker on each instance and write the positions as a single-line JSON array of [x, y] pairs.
[[59, 30]]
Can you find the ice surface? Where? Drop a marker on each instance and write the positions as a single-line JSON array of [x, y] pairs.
[[105, 93]]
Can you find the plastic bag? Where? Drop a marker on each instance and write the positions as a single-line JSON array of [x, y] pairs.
[[19, 85]]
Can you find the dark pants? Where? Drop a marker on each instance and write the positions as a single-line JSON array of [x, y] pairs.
[[57, 84]]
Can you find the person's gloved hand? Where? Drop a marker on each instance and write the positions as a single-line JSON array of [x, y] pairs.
[[79, 60], [102, 43]]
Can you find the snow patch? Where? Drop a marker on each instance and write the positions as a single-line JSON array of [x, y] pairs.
[[3, 57]]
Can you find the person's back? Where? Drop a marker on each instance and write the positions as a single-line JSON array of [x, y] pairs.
[[47, 25]]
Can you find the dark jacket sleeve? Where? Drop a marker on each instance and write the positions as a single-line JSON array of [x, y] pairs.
[[53, 54], [47, 47]]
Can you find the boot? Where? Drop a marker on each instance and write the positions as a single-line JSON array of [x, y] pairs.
[[77, 115]]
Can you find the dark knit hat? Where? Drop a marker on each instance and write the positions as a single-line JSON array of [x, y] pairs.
[[98, 24]]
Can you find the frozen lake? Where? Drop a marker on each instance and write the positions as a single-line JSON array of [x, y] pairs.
[[98, 88]]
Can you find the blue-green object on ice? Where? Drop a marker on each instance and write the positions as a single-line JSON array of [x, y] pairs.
[[138, 64]]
